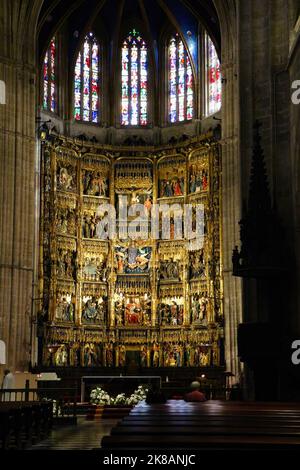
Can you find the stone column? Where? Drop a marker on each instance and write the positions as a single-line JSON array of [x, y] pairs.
[[294, 73], [17, 170], [231, 180], [232, 285]]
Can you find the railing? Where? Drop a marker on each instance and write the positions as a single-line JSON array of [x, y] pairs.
[[64, 399], [211, 392]]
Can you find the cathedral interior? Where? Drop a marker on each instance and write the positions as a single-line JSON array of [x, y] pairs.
[[117, 120]]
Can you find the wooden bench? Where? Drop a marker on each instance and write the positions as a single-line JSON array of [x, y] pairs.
[[209, 424], [205, 430], [22, 423], [159, 441]]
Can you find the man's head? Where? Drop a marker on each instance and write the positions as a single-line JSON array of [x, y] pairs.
[[6, 371], [195, 385]]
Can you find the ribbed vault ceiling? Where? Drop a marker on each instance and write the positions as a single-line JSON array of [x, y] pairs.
[[154, 16]]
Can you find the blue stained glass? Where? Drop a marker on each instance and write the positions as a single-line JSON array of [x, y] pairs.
[[180, 79], [87, 81], [125, 86], [134, 78], [213, 78], [49, 77]]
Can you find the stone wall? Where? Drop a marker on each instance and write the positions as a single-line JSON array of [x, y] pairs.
[[17, 171], [265, 95], [294, 122]]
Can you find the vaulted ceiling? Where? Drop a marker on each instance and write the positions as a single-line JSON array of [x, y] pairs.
[[156, 16]]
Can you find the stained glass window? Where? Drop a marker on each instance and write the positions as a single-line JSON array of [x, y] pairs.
[[87, 81], [180, 78], [134, 77], [50, 83], [213, 78]]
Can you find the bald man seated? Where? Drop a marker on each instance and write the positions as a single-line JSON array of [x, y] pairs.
[[195, 394]]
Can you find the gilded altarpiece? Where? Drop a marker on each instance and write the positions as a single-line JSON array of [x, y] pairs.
[[113, 295]]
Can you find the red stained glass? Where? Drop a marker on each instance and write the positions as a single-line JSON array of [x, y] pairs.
[[134, 79], [49, 75], [180, 82], [87, 82], [213, 81]]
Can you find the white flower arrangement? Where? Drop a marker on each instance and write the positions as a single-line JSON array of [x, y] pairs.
[[99, 396], [138, 395], [56, 407], [120, 399]]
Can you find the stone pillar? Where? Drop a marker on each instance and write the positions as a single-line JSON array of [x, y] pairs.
[[231, 180], [232, 285], [17, 170], [294, 73]]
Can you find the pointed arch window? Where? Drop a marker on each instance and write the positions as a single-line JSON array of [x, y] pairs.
[[180, 82], [87, 81], [213, 78], [134, 77], [50, 77]]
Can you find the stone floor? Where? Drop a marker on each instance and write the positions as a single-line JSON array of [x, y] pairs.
[[86, 435]]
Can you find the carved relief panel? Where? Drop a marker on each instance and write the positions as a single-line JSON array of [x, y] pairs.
[[156, 297]]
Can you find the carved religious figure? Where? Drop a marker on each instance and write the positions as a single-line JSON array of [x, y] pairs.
[[171, 312], [109, 355], [133, 313], [143, 356], [204, 357], [146, 312], [199, 307], [94, 269], [90, 223], [94, 310], [61, 356], [187, 355], [148, 204], [171, 355], [64, 308], [197, 264], [122, 356], [66, 177], [66, 221], [95, 183], [132, 260], [169, 269], [155, 356], [119, 312], [89, 355], [75, 351], [66, 263], [171, 186], [198, 178]]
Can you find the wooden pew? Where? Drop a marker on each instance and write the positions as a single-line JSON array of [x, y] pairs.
[[210, 424], [159, 441], [22, 423], [204, 430], [7, 426]]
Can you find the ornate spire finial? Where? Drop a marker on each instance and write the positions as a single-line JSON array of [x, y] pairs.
[[260, 232], [259, 194]]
